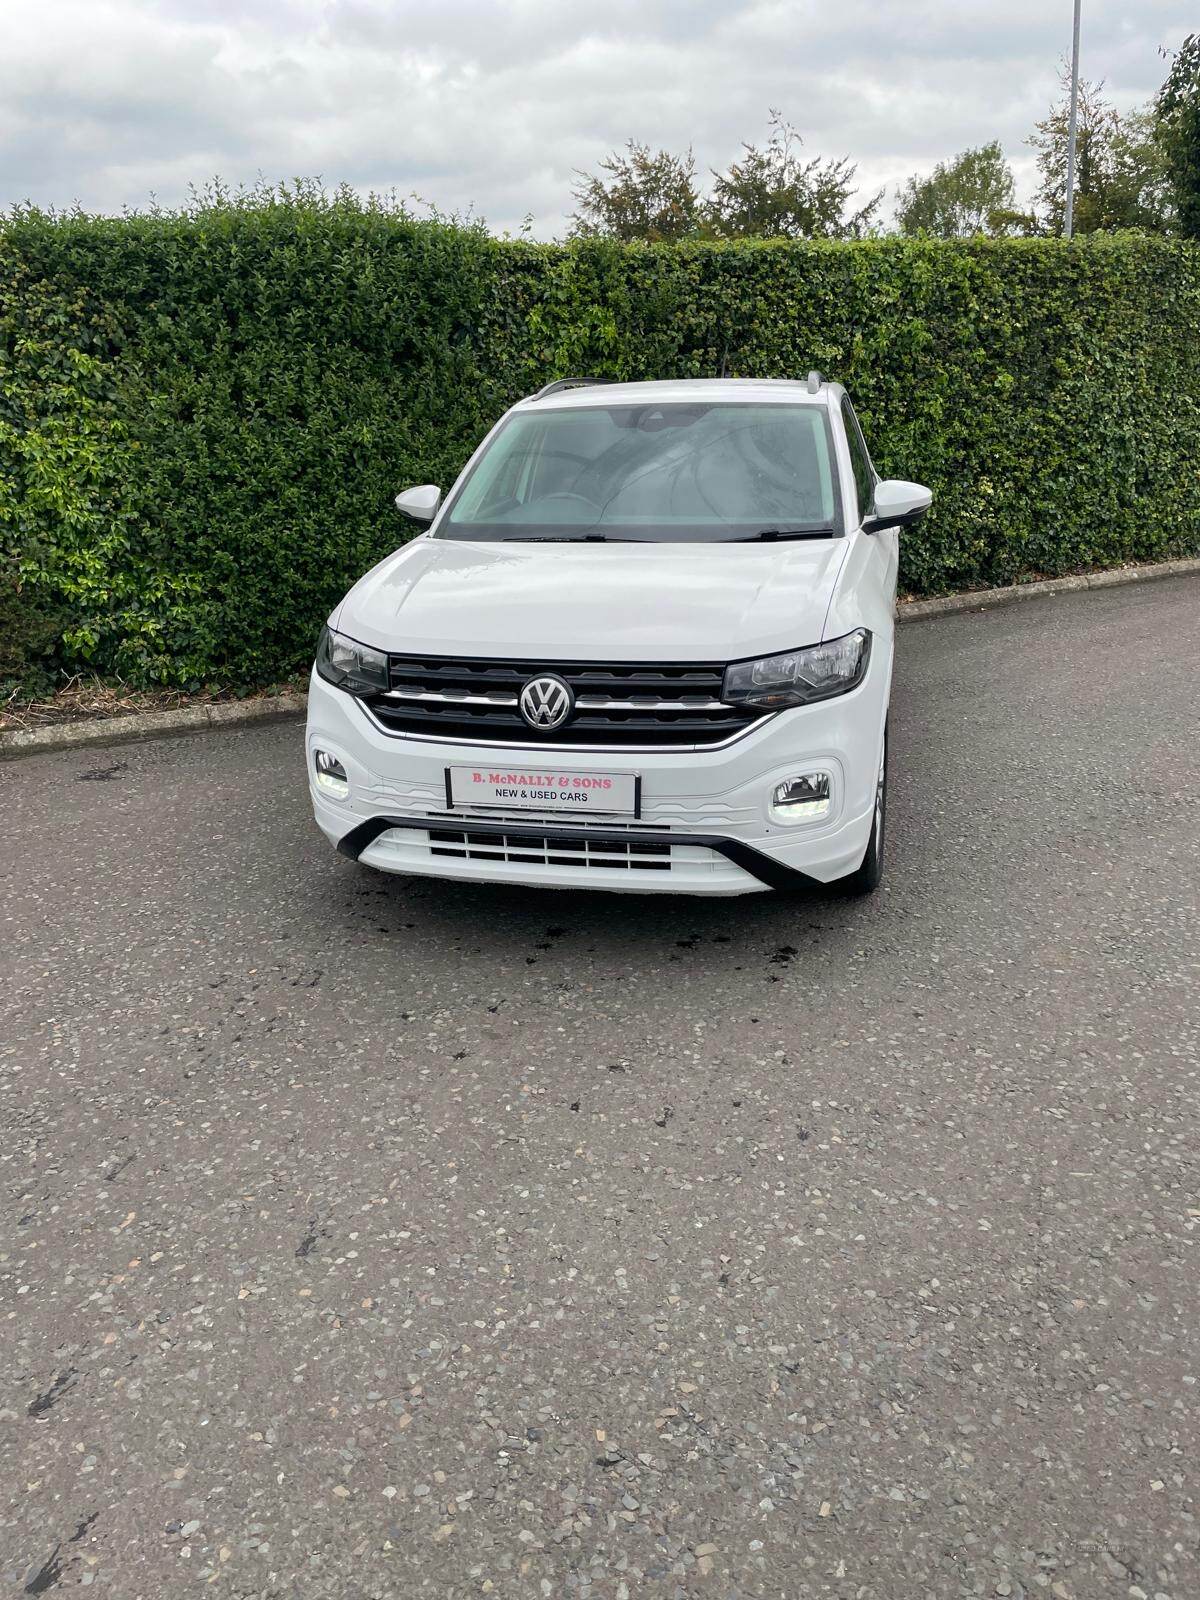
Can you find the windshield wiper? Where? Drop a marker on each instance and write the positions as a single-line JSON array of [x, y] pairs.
[[565, 538], [784, 533]]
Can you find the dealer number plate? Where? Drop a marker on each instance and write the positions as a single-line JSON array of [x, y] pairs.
[[529, 789]]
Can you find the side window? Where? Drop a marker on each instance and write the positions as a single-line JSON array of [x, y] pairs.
[[864, 472]]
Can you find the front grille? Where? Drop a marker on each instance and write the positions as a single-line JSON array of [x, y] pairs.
[[551, 850], [452, 697]]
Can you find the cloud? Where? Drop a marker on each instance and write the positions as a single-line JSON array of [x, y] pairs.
[[493, 104]]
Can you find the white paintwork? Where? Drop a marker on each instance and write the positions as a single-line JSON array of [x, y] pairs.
[[632, 602]]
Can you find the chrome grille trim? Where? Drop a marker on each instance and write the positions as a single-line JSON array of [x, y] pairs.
[[445, 697], [586, 702]]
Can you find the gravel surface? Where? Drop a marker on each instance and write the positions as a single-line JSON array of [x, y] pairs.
[[94, 700], [370, 1237]]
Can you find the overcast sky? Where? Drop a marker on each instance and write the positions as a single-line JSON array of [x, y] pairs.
[[491, 104]]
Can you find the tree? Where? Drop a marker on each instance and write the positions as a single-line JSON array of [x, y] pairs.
[[1120, 171], [974, 193], [1140, 187], [644, 195], [772, 193], [1178, 108]]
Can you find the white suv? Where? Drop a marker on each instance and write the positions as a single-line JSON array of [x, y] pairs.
[[645, 643]]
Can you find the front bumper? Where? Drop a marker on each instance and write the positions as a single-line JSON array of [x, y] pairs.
[[704, 826]]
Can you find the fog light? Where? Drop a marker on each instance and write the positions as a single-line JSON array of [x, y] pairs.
[[806, 798], [331, 774]]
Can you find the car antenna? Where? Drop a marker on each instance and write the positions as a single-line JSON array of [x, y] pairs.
[[814, 382]]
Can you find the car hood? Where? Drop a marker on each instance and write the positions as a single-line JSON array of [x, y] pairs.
[[614, 602]]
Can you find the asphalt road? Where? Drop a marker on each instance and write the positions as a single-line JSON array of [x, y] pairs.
[[367, 1237]]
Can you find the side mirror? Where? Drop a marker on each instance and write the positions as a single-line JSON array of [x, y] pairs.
[[897, 505], [420, 505]]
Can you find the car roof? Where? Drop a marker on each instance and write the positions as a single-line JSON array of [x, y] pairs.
[[793, 391]]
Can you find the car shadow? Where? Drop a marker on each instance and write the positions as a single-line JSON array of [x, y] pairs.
[[509, 918]]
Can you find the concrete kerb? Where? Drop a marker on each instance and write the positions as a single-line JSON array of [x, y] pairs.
[[149, 724], [983, 599]]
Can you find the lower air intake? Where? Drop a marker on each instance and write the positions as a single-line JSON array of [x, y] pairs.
[[553, 850]]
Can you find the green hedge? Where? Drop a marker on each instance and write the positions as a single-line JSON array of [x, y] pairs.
[[203, 418]]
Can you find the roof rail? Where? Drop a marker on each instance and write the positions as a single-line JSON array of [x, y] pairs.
[[560, 384], [815, 381]]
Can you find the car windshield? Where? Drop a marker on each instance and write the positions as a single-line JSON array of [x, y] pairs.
[[670, 472]]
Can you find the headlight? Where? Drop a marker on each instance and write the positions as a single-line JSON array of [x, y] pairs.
[[352, 666], [801, 676]]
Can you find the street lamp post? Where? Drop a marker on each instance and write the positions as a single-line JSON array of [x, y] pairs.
[[1069, 217]]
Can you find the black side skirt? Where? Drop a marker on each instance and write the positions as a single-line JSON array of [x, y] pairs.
[[763, 867]]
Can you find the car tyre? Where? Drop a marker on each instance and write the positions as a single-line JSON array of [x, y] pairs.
[[865, 879]]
